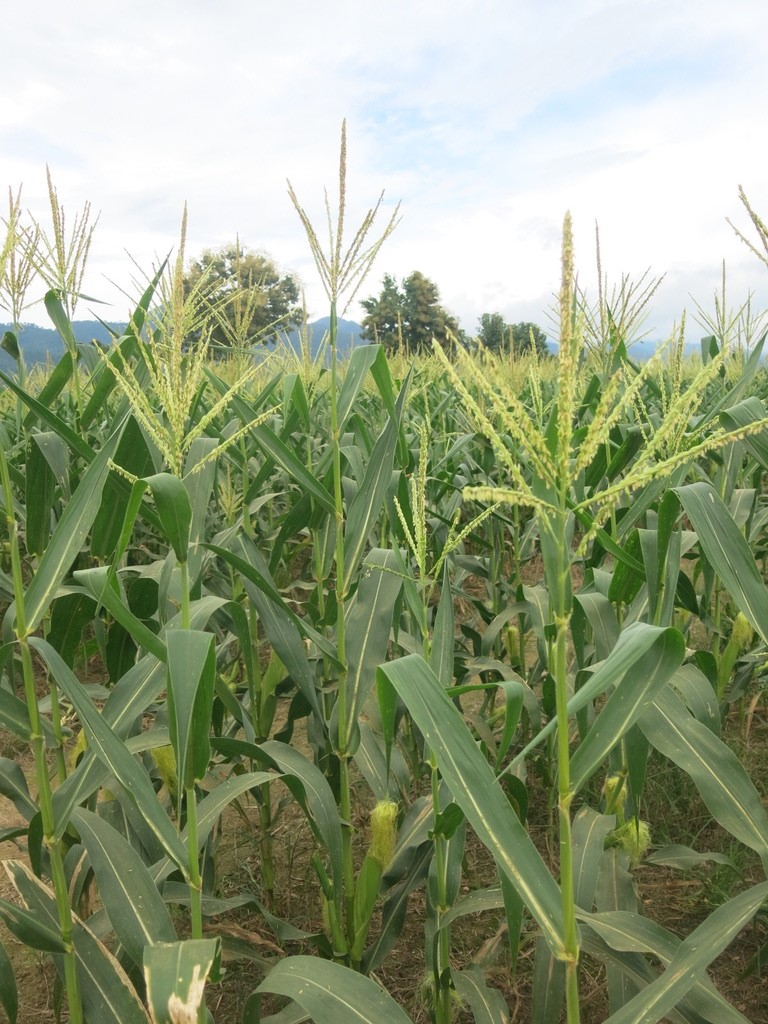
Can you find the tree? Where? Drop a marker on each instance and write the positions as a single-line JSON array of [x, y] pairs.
[[499, 336], [410, 313], [493, 331], [385, 315], [249, 298]]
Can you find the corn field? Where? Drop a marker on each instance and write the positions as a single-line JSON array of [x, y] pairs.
[[407, 604]]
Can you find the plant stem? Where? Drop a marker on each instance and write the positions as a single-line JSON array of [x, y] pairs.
[[562, 616], [195, 881], [345, 801], [442, 964]]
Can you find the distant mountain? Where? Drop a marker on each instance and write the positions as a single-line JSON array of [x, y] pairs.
[[349, 335], [43, 344], [641, 351]]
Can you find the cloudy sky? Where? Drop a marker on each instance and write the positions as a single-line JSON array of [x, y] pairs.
[[487, 119]]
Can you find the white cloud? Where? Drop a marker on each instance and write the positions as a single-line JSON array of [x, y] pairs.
[[488, 119]]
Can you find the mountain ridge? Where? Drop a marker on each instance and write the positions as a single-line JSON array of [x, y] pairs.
[[40, 345]]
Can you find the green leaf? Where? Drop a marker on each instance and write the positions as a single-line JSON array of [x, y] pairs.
[[291, 1014], [282, 626], [616, 891], [14, 715], [635, 972], [717, 773], [175, 974], [103, 381], [199, 477], [9, 996], [487, 1004], [514, 699], [265, 584], [173, 507], [132, 901], [588, 837], [443, 634], [69, 536], [548, 991], [57, 313], [684, 858], [133, 455], [191, 678], [630, 698], [691, 959], [10, 344], [331, 993], [751, 410], [477, 901], [368, 626], [601, 616], [318, 800], [130, 697], [475, 789], [394, 910], [366, 505], [360, 362], [39, 491], [101, 583], [270, 443], [70, 615], [727, 551], [633, 644], [40, 410], [110, 749], [31, 928], [54, 385], [108, 995], [210, 809], [13, 786]]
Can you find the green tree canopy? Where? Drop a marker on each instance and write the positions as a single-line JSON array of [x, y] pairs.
[[250, 297], [410, 311], [499, 336]]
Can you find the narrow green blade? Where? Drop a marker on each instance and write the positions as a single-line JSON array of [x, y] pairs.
[[487, 1004], [69, 536], [319, 799], [719, 776], [728, 552], [629, 932], [692, 959], [174, 509], [107, 993], [331, 993], [132, 901], [368, 628], [365, 507], [191, 679], [475, 789], [9, 995], [110, 749], [630, 698]]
